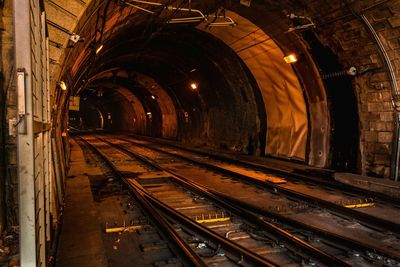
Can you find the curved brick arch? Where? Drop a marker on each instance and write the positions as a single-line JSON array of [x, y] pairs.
[[337, 28]]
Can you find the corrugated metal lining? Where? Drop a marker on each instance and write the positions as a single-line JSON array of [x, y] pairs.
[[280, 88]]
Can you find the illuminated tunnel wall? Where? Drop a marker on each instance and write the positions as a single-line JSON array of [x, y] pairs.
[[280, 88], [248, 99], [225, 111]]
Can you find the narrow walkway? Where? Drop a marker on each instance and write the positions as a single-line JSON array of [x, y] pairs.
[[81, 241]]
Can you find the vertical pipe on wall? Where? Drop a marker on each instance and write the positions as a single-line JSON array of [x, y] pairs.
[[394, 166]]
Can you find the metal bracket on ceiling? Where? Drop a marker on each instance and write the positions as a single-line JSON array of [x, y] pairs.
[[303, 22], [220, 19], [245, 2], [227, 21], [199, 16]]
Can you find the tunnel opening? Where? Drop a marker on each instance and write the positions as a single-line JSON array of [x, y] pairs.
[[225, 110], [342, 103]]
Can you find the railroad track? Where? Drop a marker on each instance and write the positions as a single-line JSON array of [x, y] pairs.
[[285, 240], [319, 219], [151, 242], [369, 208], [194, 243], [320, 177]]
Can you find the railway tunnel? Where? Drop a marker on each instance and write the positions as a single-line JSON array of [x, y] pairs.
[[285, 94]]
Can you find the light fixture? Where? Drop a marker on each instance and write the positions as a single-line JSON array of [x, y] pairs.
[[99, 48], [76, 38], [62, 85], [152, 96], [194, 86], [291, 58]]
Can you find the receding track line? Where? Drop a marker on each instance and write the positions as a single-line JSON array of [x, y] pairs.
[[351, 243], [180, 247], [363, 218], [153, 206], [282, 234], [326, 182]]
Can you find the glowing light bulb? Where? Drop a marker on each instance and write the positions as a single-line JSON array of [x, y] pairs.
[[291, 58], [193, 86], [62, 85], [99, 48]]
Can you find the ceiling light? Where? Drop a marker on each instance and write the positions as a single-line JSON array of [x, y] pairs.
[[291, 58], [99, 48], [153, 97], [62, 85], [194, 86]]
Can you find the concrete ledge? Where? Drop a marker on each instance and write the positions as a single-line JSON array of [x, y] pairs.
[[81, 242]]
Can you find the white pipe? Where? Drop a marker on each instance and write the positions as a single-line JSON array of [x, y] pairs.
[[146, 2], [140, 8]]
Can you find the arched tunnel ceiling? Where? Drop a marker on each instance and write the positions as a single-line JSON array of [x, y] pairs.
[[300, 121], [264, 75]]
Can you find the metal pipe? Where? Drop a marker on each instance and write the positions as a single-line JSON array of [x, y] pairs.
[[140, 8], [228, 21], [147, 2], [394, 166], [183, 21]]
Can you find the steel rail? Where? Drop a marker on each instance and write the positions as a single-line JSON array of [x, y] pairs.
[[346, 241], [287, 174], [228, 245], [363, 218], [177, 216], [180, 246], [276, 231]]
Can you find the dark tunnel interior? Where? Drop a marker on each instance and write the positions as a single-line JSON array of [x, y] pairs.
[[223, 111], [220, 89], [343, 107]]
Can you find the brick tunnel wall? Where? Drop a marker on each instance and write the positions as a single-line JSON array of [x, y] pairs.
[[353, 44], [342, 30]]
